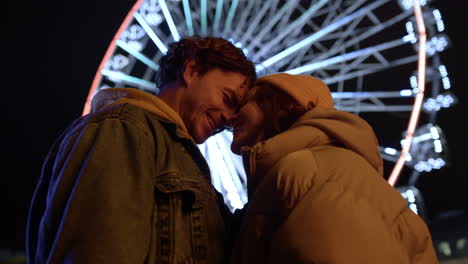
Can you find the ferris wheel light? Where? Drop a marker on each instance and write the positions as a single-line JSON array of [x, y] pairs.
[[434, 133], [230, 16], [444, 100], [439, 21], [443, 71], [438, 146], [390, 151], [406, 92]]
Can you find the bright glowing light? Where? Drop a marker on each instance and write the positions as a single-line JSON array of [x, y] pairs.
[[443, 71], [434, 133], [414, 82], [390, 151], [413, 208], [170, 21], [438, 146], [439, 21], [150, 32], [117, 62], [410, 196], [406, 92], [446, 83]]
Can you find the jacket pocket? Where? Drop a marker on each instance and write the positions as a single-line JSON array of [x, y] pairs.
[[172, 182]]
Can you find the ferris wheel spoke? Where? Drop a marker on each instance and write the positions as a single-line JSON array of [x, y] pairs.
[[217, 19], [374, 30], [169, 20], [372, 69], [230, 16], [345, 57], [298, 23], [254, 24], [137, 55], [318, 35], [271, 22], [188, 17], [242, 19], [118, 76], [157, 41]]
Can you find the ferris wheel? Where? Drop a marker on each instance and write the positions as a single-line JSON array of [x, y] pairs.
[[361, 49]]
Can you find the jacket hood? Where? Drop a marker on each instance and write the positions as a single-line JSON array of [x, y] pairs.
[[308, 91], [321, 125], [144, 100], [317, 127]]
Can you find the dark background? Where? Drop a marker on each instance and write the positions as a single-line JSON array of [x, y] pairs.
[[52, 52]]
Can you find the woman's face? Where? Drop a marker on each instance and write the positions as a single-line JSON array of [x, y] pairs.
[[248, 126]]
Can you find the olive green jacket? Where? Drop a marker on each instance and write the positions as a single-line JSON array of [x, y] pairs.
[[125, 184]]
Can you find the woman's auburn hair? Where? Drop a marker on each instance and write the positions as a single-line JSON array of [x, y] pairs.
[[280, 110]]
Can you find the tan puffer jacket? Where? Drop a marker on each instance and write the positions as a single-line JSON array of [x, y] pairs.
[[317, 195]]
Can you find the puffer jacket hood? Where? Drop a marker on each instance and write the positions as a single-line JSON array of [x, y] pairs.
[[321, 125], [147, 101]]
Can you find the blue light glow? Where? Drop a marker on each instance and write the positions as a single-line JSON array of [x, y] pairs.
[[150, 32], [170, 21]]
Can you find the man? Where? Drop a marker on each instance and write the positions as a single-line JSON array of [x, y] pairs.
[[127, 183], [315, 182]]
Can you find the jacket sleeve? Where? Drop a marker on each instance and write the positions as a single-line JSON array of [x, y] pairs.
[[100, 196]]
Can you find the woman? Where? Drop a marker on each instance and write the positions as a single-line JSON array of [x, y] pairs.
[[315, 182]]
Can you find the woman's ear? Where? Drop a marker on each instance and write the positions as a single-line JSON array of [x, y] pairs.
[[189, 72]]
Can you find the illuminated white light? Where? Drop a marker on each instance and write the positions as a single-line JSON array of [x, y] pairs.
[[150, 10], [410, 196], [414, 81], [117, 62], [150, 32], [443, 71], [414, 208], [408, 157], [170, 21], [411, 37], [434, 133], [438, 146], [390, 151], [446, 83], [406, 92], [444, 247], [439, 21]]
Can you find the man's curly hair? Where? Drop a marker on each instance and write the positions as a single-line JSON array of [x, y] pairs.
[[208, 53]]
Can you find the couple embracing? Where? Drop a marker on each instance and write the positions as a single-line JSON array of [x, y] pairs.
[[128, 184]]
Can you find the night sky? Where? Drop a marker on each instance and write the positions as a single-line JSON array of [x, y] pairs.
[[52, 53]]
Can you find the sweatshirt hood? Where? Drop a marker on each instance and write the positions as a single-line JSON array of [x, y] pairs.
[[144, 100]]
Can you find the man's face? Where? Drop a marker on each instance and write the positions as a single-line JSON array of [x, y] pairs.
[[210, 101], [248, 126]]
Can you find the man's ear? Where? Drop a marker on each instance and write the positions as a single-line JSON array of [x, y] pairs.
[[189, 72]]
